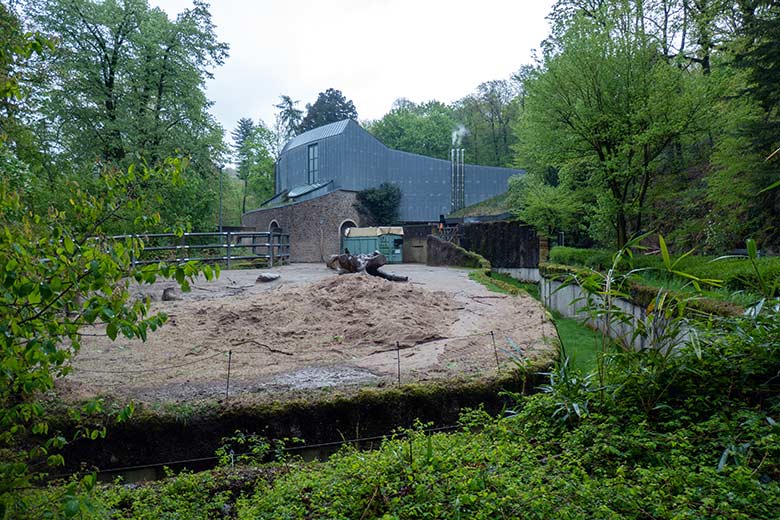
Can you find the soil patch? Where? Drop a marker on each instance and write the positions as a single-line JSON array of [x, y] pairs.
[[312, 329]]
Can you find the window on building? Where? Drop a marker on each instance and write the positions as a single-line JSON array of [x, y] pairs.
[[314, 163]]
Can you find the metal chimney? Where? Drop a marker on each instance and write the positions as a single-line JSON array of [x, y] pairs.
[[458, 175]]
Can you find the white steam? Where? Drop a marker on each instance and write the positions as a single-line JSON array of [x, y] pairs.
[[458, 134]]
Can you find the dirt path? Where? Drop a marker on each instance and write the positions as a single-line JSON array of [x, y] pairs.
[[311, 329]]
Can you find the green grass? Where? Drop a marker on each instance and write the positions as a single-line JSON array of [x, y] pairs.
[[531, 288], [492, 206], [579, 341]]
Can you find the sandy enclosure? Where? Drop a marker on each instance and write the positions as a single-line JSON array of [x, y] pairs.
[[311, 329]]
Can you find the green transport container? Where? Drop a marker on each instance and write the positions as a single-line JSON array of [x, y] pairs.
[[388, 240]]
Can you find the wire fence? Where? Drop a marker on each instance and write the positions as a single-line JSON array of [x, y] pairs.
[[229, 355]]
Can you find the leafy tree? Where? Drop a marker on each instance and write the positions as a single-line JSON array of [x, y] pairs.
[[254, 145], [488, 114], [424, 128], [548, 208], [604, 106], [259, 174], [331, 106], [380, 205], [746, 180], [60, 273], [242, 146], [126, 84], [18, 49]]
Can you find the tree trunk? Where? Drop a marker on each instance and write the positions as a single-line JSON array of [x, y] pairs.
[[243, 202]]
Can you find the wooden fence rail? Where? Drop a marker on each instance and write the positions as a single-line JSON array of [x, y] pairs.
[[228, 246]]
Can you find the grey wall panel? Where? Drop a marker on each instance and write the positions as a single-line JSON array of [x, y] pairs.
[[484, 182], [363, 160], [425, 185]]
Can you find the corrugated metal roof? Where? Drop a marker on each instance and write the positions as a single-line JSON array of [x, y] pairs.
[[321, 132]]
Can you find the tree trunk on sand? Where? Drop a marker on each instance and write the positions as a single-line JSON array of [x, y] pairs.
[[348, 263]]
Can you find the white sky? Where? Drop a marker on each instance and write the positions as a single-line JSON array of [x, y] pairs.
[[374, 51]]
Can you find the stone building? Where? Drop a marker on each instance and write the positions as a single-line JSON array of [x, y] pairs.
[[319, 173]]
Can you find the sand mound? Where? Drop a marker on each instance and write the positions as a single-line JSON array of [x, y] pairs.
[[324, 331], [330, 322], [348, 311]]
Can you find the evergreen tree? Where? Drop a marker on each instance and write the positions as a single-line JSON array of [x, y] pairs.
[[331, 106], [288, 119]]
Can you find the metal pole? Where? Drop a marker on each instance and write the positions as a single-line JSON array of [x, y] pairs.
[[271, 249], [220, 201], [228, 249], [227, 387], [462, 183], [398, 357], [453, 181], [493, 336]]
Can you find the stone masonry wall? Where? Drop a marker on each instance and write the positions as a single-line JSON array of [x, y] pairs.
[[313, 224], [505, 244]]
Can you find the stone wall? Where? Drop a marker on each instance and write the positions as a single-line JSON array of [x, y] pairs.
[[313, 224], [440, 252], [415, 242], [505, 244]]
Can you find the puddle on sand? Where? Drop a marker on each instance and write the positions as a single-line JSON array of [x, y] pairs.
[[322, 377]]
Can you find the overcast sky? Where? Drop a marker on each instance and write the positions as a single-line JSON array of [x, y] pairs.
[[374, 51]]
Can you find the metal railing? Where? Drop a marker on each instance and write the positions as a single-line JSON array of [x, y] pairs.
[[227, 247]]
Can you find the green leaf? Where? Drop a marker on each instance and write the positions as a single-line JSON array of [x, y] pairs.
[[89, 482], [665, 253], [70, 247], [71, 507], [752, 249], [34, 298], [111, 330], [55, 460]]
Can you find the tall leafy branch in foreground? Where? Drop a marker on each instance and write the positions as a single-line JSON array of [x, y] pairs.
[[60, 273]]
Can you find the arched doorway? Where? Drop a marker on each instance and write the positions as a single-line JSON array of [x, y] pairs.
[[345, 225], [274, 227]]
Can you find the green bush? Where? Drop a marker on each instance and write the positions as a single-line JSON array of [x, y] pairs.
[[736, 274], [594, 258]]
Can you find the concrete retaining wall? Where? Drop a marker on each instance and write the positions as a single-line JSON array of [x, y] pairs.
[[524, 274], [571, 300]]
